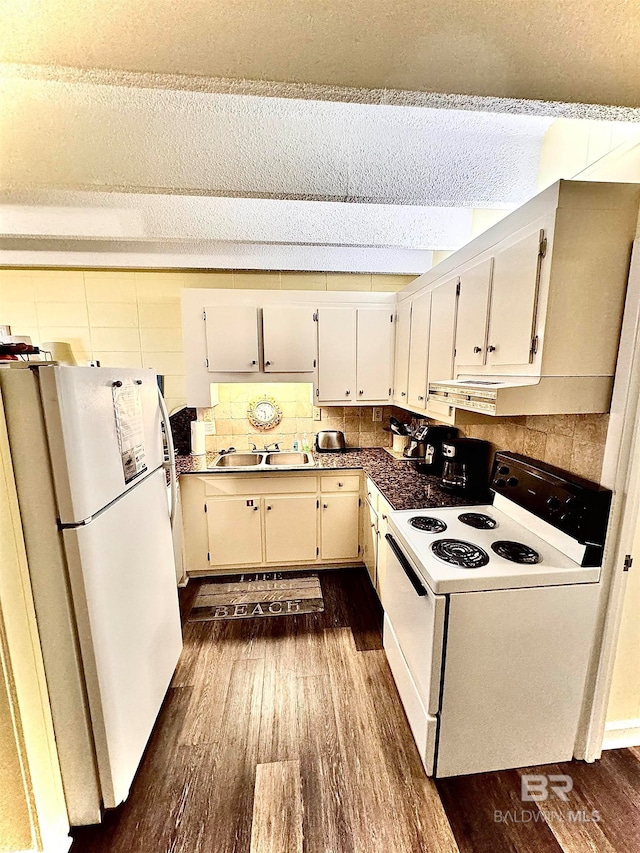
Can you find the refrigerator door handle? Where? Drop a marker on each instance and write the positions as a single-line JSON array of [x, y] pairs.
[[170, 464]]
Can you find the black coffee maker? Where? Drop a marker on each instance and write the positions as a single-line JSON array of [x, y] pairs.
[[433, 461], [466, 467]]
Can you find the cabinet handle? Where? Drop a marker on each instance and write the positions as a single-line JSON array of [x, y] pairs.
[[360, 392], [267, 363], [347, 393], [268, 507], [491, 349], [420, 397], [325, 506], [256, 508], [340, 485], [384, 517], [477, 350], [403, 393], [254, 361]]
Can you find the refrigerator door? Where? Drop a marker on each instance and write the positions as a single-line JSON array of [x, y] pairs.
[[123, 584], [92, 416]]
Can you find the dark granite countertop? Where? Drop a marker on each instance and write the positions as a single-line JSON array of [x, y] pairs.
[[398, 481]]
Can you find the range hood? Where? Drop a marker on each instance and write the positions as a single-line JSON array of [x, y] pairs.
[[525, 395]]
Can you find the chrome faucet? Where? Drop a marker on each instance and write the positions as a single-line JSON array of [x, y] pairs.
[[275, 445]]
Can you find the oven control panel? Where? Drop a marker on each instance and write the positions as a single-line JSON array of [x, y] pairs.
[[571, 504]]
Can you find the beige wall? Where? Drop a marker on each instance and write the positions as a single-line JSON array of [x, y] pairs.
[[132, 319]]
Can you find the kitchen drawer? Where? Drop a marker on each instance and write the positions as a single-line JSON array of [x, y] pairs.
[[340, 483], [264, 484], [423, 726]]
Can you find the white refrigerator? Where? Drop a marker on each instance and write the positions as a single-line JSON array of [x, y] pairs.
[[87, 451]]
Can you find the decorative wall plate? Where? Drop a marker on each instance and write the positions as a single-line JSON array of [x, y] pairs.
[[264, 412]]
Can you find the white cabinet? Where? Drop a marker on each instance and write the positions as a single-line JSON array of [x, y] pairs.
[[339, 526], [444, 300], [336, 354], [289, 344], [473, 314], [370, 544], [290, 528], [514, 294], [232, 338], [355, 355], [419, 351], [374, 354], [401, 362], [234, 531], [234, 521], [375, 528]]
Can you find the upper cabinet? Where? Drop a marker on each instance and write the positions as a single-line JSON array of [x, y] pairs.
[[444, 301], [232, 338], [288, 338], [514, 296], [419, 351], [473, 314], [401, 361], [355, 354]]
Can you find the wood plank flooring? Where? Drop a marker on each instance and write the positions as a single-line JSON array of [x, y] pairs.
[[286, 735]]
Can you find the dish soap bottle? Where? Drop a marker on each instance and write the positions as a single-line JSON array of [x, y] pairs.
[[305, 442], [296, 443]]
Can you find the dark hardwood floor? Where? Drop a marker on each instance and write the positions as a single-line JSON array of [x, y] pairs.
[[286, 735]]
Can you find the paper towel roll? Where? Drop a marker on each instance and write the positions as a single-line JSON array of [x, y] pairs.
[[198, 442]]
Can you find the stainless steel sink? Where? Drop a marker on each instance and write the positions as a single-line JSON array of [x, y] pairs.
[[291, 458], [239, 460]]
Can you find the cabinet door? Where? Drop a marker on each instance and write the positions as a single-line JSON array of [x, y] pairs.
[[336, 354], [383, 528], [339, 526], [371, 543], [290, 529], [288, 338], [232, 338], [374, 354], [403, 340], [442, 331], [235, 534], [419, 351], [473, 314], [514, 293]]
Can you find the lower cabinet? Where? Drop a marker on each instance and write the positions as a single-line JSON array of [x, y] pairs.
[[376, 525], [290, 529], [235, 521], [371, 542], [234, 531], [339, 527]]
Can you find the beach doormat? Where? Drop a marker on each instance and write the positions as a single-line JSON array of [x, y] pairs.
[[255, 595]]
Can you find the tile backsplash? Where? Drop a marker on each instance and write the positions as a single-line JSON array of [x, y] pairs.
[[574, 443], [233, 427]]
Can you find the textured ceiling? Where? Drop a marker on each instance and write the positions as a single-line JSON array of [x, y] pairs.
[[82, 135], [573, 51]]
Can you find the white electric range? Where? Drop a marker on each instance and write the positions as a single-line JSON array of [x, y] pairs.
[[490, 616]]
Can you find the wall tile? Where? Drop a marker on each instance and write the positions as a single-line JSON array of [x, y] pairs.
[[15, 287], [58, 286], [303, 281], [158, 287], [108, 287], [18, 314], [116, 340], [62, 313], [152, 315], [348, 281], [114, 314], [256, 281], [167, 363], [161, 340], [118, 359], [78, 336], [390, 283], [209, 279]]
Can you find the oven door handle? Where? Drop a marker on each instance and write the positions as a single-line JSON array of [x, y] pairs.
[[406, 566]]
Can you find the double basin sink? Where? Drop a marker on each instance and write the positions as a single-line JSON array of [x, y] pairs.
[[261, 461]]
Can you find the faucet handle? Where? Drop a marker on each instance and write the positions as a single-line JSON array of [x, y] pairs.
[[254, 447]]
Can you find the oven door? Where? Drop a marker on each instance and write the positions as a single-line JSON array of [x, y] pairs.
[[417, 617]]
